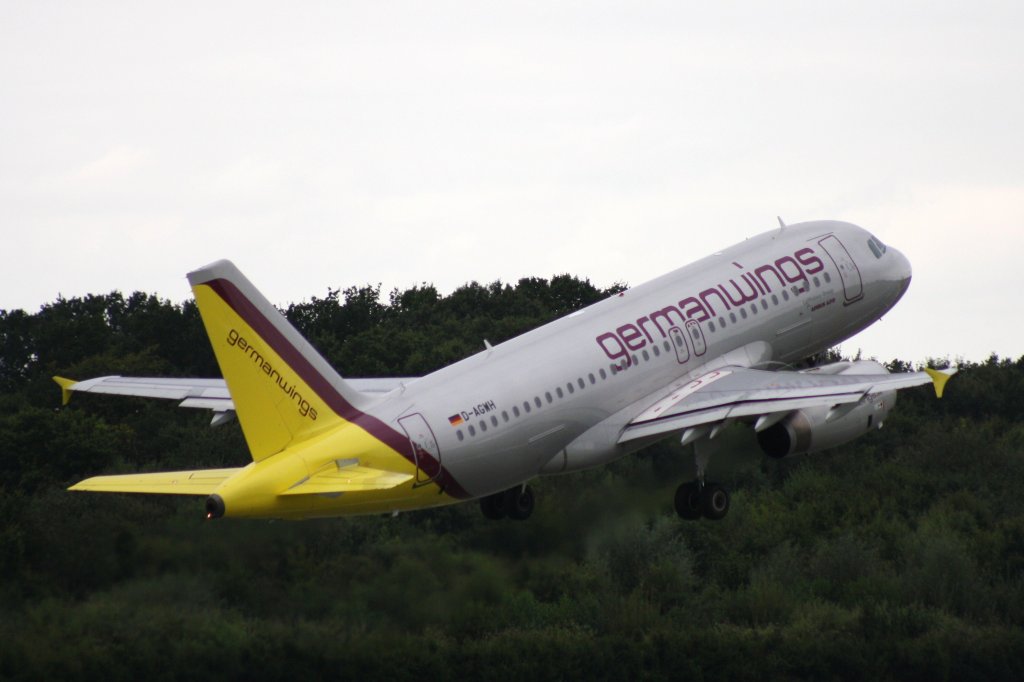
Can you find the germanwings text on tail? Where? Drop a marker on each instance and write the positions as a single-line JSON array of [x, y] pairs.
[[685, 356]]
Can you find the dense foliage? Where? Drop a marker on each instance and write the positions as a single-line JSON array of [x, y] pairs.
[[898, 556]]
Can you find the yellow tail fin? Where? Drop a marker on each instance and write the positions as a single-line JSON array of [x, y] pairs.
[[283, 390]]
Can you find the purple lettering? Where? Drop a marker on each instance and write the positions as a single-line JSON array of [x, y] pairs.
[[617, 351], [809, 260], [631, 336], [798, 277]]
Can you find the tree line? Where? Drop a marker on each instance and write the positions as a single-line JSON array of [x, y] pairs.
[[897, 556]]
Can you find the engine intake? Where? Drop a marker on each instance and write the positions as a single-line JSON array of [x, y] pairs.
[[811, 430]]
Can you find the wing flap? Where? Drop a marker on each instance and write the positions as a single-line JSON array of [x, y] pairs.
[[201, 482], [347, 476]]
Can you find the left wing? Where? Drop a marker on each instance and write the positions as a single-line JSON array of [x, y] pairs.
[[207, 394], [767, 397]]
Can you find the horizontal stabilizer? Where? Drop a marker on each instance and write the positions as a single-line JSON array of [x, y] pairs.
[[202, 482], [347, 476]]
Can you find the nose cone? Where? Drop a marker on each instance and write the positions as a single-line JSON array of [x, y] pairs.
[[901, 271]]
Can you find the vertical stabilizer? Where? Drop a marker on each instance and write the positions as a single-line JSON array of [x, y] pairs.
[[283, 389]]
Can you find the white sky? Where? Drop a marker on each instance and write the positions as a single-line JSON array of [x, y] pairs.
[[329, 144]]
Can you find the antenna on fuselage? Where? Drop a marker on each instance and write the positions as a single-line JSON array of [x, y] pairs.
[[782, 225]]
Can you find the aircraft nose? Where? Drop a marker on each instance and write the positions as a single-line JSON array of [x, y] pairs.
[[901, 266], [900, 269]]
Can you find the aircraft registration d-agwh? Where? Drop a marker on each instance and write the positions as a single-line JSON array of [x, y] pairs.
[[684, 355]]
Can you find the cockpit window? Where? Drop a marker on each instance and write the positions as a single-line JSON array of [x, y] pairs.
[[877, 247]]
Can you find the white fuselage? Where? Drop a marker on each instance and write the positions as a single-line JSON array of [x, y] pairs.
[[554, 399]]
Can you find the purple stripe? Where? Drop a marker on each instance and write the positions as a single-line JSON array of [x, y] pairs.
[[398, 442]]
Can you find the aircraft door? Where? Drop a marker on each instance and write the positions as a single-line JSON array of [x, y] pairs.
[[700, 346], [424, 447], [679, 343], [853, 286]]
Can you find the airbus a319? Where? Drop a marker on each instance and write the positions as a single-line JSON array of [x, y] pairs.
[[684, 356]]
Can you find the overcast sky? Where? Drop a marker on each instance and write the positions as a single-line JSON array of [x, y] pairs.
[[329, 144]]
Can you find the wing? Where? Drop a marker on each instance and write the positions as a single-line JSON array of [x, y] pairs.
[[207, 394], [766, 397], [202, 482]]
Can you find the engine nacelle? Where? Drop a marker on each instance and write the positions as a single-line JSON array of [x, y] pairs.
[[812, 429]]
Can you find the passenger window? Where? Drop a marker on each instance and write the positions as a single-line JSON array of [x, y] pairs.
[[743, 313], [472, 431], [582, 383], [504, 415], [592, 379], [667, 347], [828, 277], [656, 350], [764, 304], [558, 391], [569, 387], [604, 375], [537, 402], [785, 295], [732, 317], [647, 356], [483, 425], [494, 420], [526, 406], [711, 326], [515, 411], [547, 394], [458, 434], [721, 322]]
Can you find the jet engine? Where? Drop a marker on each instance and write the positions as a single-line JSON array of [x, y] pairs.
[[820, 428]]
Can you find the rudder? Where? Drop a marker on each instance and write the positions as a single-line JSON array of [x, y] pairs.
[[284, 391]]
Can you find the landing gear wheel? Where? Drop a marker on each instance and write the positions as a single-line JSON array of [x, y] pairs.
[[496, 506], [714, 501], [522, 503], [688, 501], [514, 503]]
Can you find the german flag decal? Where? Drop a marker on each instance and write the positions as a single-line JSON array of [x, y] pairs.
[[455, 419]]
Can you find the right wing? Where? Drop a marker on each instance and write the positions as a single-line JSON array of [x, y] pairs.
[[764, 397]]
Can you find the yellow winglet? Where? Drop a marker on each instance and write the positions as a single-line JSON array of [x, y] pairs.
[[939, 378], [65, 389]]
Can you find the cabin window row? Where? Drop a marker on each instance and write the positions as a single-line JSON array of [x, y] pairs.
[[537, 403], [797, 291]]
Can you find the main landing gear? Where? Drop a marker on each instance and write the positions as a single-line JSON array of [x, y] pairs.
[[514, 503], [702, 498], [696, 499]]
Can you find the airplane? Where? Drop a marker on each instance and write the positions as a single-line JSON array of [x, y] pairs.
[[685, 355]]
